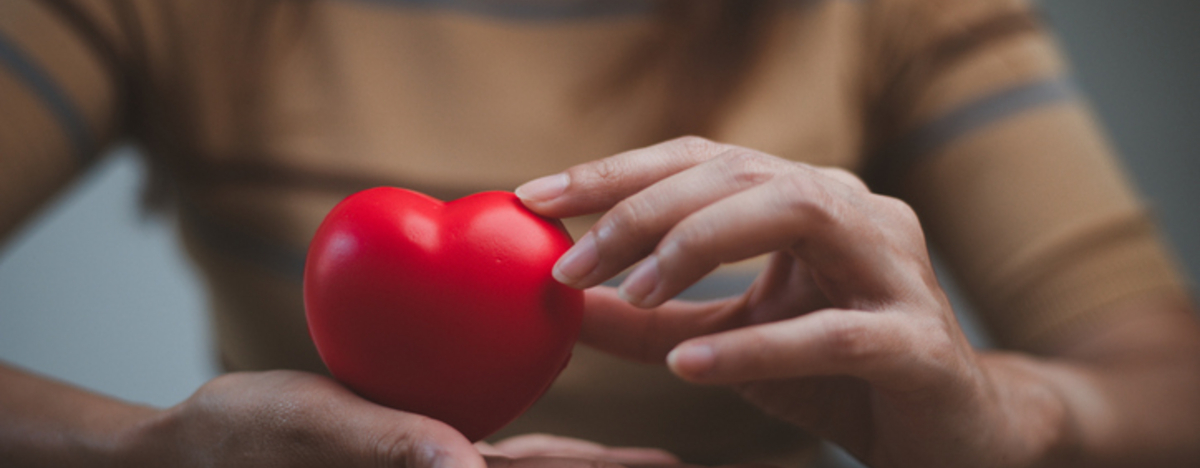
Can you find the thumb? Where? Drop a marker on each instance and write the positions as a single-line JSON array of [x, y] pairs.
[[383, 437], [614, 326]]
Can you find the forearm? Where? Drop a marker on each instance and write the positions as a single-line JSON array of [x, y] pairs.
[[1128, 397], [48, 423]]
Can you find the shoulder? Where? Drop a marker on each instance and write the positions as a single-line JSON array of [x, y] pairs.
[[935, 18], [903, 36]]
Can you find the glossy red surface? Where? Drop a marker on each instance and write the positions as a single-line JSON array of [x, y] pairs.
[[443, 309]]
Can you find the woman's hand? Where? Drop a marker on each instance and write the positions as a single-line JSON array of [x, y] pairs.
[[847, 333], [292, 419], [296, 419]]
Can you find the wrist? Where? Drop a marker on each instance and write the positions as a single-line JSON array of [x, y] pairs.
[[127, 438], [1036, 404]]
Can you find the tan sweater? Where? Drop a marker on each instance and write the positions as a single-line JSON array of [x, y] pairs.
[[263, 122]]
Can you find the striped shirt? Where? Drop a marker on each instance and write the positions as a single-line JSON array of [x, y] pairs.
[[258, 120]]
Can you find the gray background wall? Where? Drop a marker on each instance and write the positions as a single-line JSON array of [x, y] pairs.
[[92, 294]]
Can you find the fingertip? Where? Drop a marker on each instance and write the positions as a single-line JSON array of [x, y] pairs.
[[488, 450], [603, 293], [543, 189], [578, 262], [637, 289], [691, 361]]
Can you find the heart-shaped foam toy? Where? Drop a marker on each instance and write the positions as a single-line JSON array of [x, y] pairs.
[[443, 309]]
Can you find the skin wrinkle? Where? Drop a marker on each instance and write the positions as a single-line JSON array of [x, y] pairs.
[[688, 146], [608, 172], [746, 168], [627, 219]]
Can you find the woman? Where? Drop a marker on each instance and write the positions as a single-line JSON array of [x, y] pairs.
[[259, 116]]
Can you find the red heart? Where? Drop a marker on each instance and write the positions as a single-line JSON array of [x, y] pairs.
[[442, 309]]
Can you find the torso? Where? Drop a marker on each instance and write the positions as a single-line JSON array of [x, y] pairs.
[[452, 103]]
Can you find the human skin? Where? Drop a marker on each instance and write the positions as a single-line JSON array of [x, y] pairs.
[[261, 419], [847, 332]]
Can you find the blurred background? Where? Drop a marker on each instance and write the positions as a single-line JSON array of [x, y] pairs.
[[94, 294]]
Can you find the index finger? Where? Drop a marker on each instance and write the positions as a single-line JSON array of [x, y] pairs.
[[598, 185]]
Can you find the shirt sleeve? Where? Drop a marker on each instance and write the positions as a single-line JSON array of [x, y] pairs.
[[60, 98], [981, 130]]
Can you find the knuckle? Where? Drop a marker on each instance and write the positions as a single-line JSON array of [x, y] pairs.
[[851, 342], [939, 355], [807, 200], [748, 167], [840, 173], [904, 218], [937, 336], [599, 172], [628, 219], [688, 241], [692, 144], [898, 208], [846, 177]]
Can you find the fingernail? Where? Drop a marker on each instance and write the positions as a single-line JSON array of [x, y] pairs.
[[691, 360], [545, 188], [641, 282], [578, 262]]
